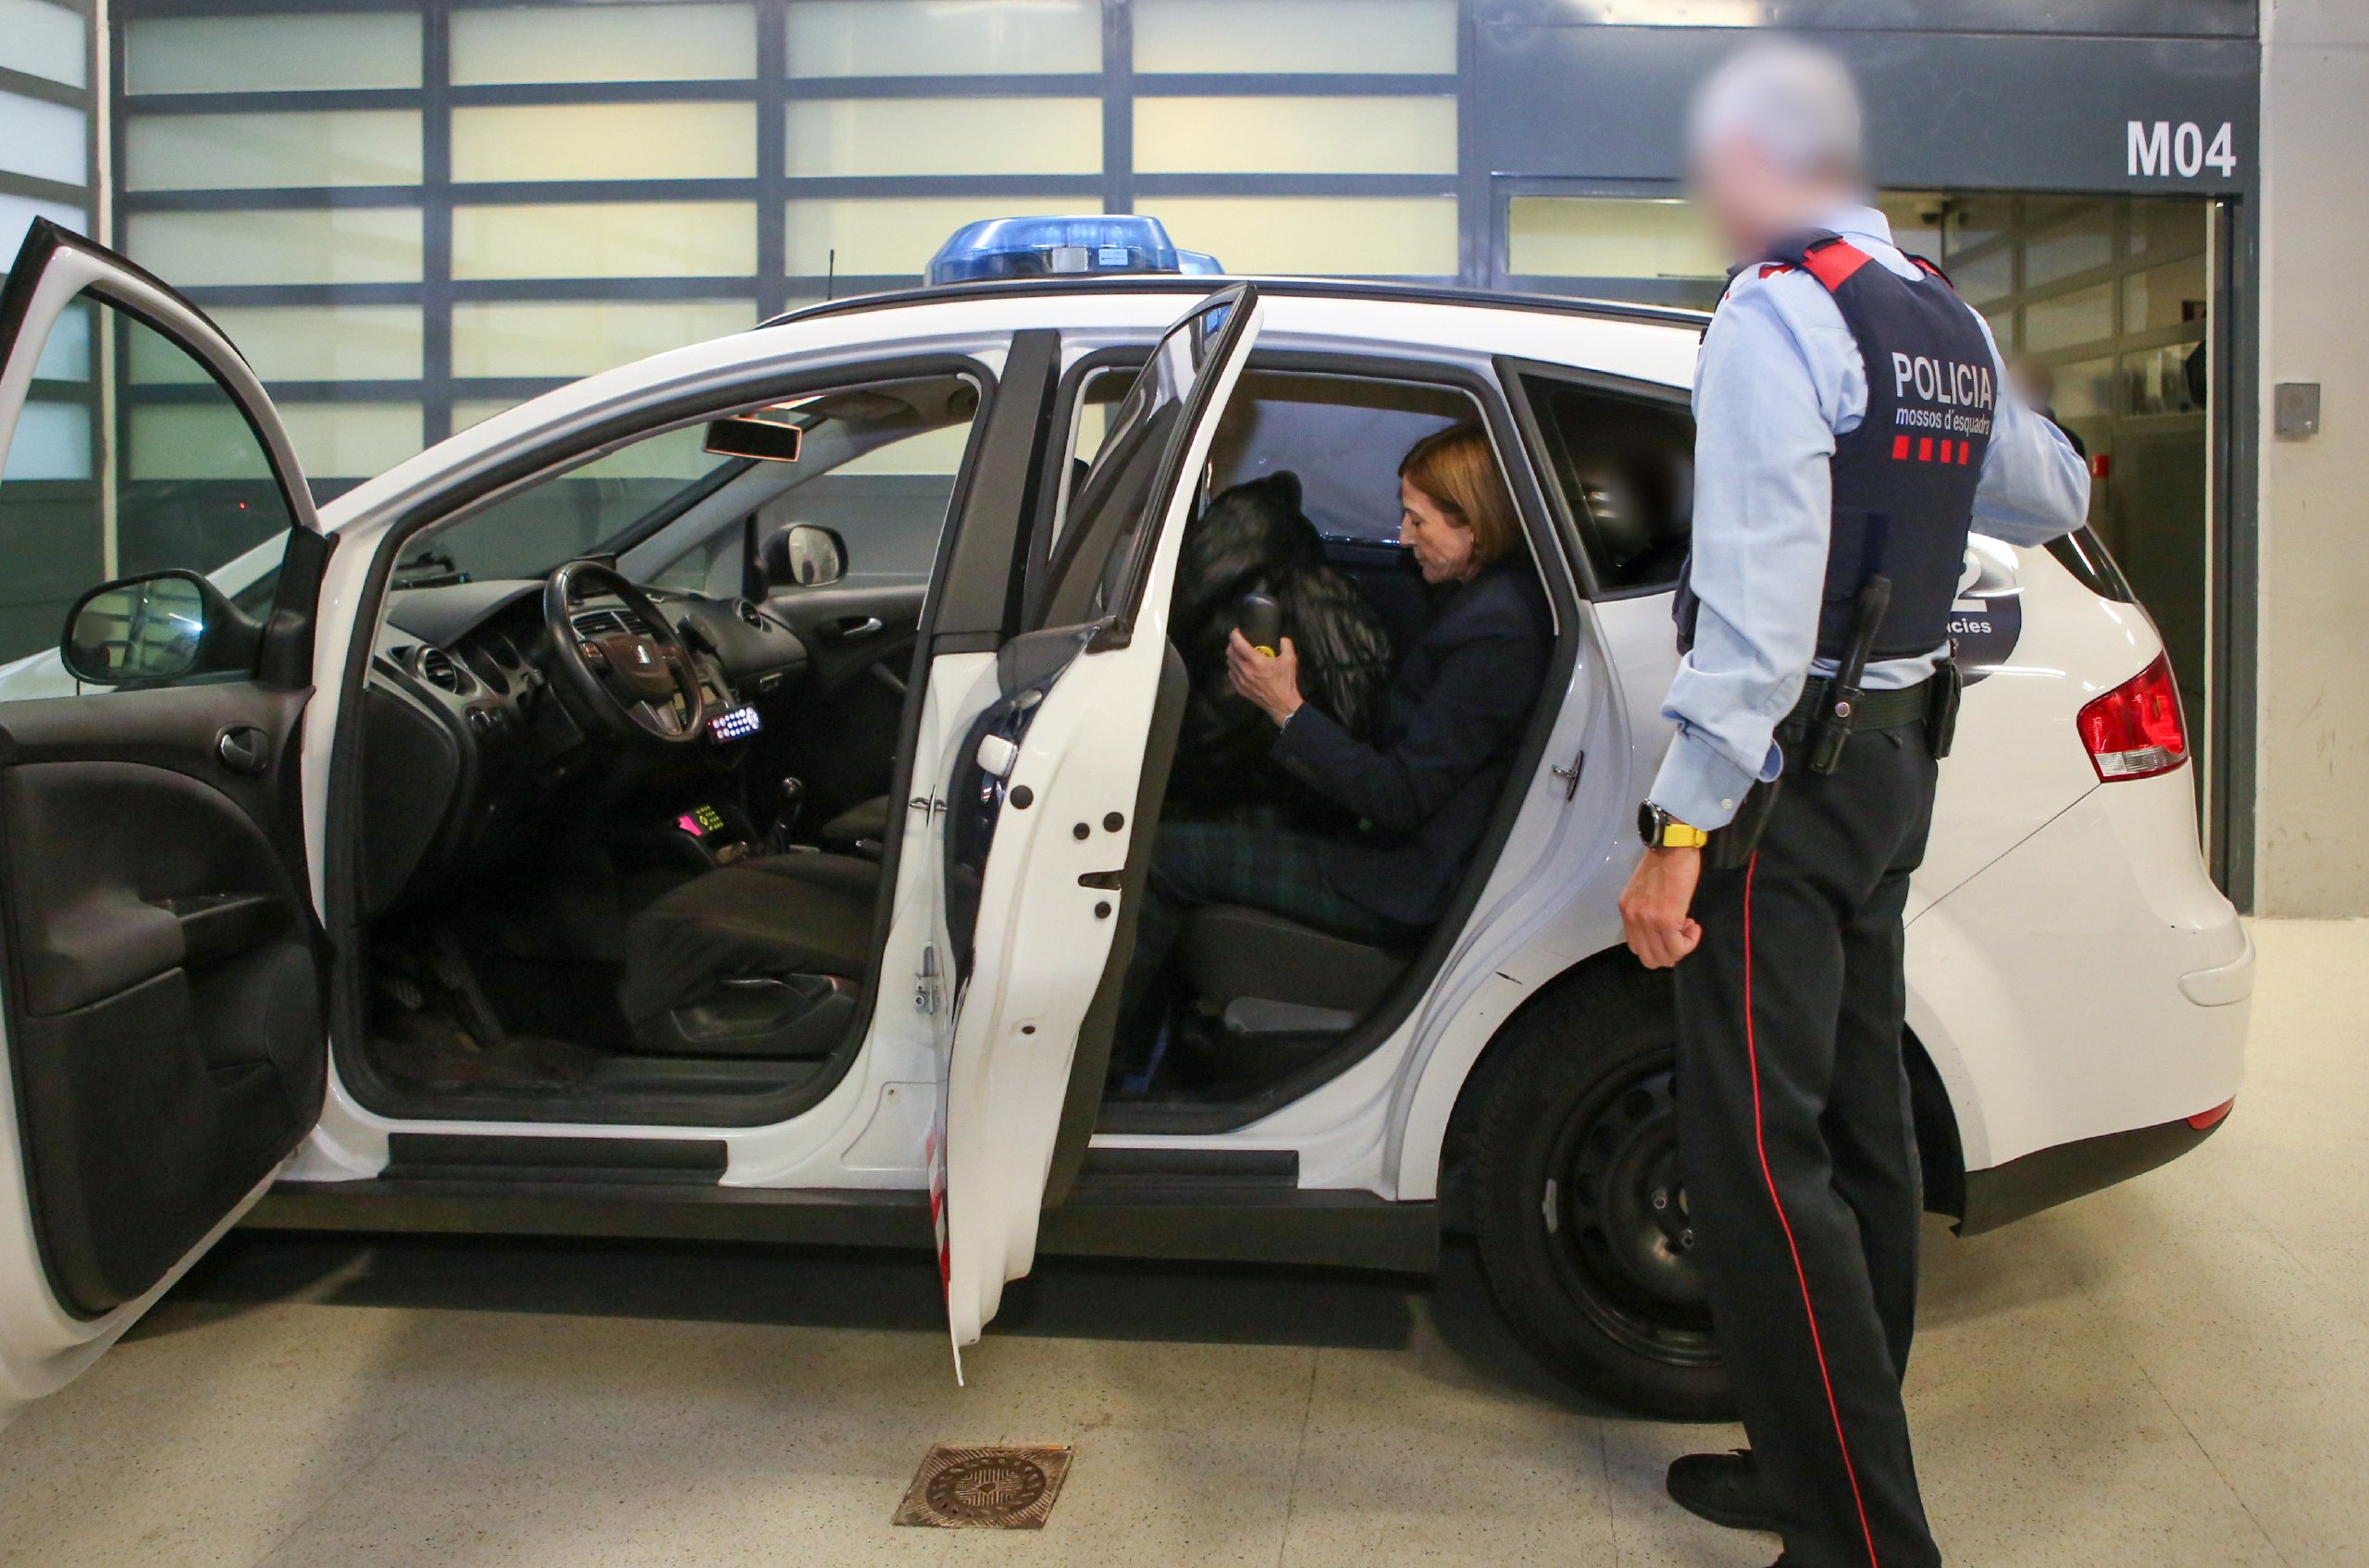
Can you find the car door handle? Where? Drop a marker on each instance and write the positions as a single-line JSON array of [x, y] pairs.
[[217, 925], [853, 630], [244, 748], [1571, 775]]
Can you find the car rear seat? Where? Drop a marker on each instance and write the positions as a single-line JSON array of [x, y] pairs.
[[1268, 979]]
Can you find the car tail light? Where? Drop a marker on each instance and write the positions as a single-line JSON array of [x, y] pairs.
[[2205, 1121], [2135, 730]]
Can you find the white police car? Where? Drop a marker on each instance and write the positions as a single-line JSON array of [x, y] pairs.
[[432, 864]]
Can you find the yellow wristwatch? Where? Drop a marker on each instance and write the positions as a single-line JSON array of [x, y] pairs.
[[1663, 831]]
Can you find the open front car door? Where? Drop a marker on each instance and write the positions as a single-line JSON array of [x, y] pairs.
[[1047, 837], [161, 961]]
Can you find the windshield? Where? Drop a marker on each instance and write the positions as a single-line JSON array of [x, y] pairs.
[[592, 510], [660, 502]]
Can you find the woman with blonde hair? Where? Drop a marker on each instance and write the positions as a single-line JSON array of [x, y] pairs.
[[1422, 785]]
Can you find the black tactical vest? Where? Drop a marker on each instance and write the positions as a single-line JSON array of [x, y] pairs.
[[1903, 481]]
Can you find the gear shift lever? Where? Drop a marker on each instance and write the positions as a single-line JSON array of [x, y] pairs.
[[789, 800]]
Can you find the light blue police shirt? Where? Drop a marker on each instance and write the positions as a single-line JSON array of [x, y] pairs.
[[1778, 378]]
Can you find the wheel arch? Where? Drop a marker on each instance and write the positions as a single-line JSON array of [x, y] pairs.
[[1445, 1159], [1436, 1141]]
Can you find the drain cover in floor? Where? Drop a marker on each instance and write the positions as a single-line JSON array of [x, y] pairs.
[[994, 1489]]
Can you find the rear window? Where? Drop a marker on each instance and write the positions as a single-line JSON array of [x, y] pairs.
[[1624, 465]]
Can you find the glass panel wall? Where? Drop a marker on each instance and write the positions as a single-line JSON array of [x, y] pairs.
[[1294, 135], [447, 207], [831, 137], [945, 38], [2105, 301], [1657, 249], [295, 247], [604, 43], [44, 140], [560, 143], [1318, 235], [45, 40], [47, 153], [1345, 37], [621, 240], [57, 535], [262, 152], [270, 53], [527, 340]]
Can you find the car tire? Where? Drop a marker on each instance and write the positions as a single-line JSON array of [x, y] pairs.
[[1577, 1204]]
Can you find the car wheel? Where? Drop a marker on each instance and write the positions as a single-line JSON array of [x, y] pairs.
[[1579, 1204]]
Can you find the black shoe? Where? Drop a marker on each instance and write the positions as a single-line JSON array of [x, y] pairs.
[[1726, 1489]]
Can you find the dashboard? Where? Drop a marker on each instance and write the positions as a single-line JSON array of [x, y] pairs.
[[465, 734]]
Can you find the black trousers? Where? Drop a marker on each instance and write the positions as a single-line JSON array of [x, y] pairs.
[[1800, 1151]]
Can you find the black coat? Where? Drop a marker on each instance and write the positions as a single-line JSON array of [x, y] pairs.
[[1451, 721]]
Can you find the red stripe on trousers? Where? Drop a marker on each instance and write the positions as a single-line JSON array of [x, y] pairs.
[[1760, 1140]]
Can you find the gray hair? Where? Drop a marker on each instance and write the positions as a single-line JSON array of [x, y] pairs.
[[1794, 102]]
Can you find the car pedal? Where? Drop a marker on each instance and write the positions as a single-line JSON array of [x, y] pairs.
[[453, 972]]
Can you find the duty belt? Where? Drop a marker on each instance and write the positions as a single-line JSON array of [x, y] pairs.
[[1874, 710]]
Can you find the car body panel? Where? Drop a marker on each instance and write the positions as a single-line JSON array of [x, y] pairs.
[[1379, 1125]]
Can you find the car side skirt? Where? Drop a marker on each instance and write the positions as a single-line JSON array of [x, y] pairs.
[[1188, 1221], [2000, 1194]]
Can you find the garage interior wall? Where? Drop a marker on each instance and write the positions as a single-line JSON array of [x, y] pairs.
[[415, 214], [49, 149], [2313, 834]]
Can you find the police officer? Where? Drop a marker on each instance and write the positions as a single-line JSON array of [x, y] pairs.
[[1853, 418]]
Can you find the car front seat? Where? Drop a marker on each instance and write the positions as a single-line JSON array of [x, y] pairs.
[[1278, 988], [865, 823], [761, 959]]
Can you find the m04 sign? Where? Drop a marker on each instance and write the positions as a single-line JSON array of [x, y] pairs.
[[2162, 150]]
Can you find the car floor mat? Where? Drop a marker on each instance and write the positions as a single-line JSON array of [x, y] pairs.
[[432, 1052]]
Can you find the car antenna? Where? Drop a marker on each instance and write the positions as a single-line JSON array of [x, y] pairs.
[[831, 273]]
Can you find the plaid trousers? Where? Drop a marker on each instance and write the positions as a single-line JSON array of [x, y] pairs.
[[1275, 869]]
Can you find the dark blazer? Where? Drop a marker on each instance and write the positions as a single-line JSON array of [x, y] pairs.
[[1450, 723]]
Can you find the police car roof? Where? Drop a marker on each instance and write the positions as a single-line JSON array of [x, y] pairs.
[[1311, 287]]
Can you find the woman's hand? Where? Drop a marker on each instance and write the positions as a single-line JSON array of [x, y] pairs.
[[1271, 682]]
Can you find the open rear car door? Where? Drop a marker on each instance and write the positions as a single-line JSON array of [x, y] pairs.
[[162, 963], [1050, 818]]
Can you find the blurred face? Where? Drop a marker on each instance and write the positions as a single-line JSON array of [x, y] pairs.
[[1751, 201], [1442, 544], [2034, 379]]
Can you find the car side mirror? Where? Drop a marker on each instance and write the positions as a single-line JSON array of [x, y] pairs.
[[156, 628], [803, 556]]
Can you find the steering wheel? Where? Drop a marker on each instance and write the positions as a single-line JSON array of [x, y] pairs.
[[636, 680]]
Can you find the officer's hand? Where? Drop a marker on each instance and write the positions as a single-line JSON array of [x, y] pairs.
[[1654, 907], [1269, 680]]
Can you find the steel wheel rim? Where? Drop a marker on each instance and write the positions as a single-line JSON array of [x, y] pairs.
[[1622, 1257]]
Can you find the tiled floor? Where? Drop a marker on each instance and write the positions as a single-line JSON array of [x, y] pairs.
[[2176, 1372]]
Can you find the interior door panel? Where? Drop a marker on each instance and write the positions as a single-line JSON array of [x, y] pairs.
[[166, 1003], [843, 725]]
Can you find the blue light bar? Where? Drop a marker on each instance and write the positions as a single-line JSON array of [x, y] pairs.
[[1089, 246]]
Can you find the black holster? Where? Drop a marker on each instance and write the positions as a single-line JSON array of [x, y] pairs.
[[1942, 697], [1729, 848]]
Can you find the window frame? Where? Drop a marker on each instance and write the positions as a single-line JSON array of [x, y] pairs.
[[1513, 373], [1553, 556], [660, 408]]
